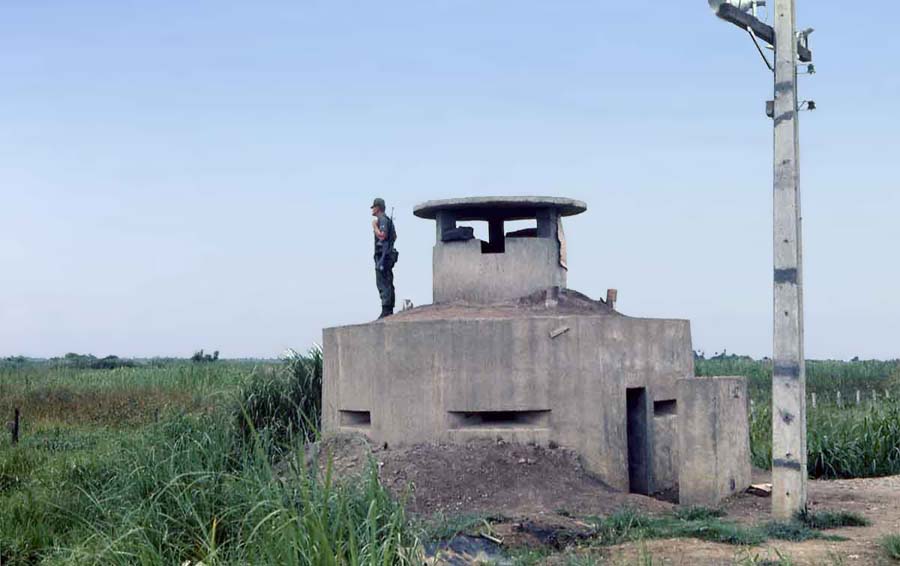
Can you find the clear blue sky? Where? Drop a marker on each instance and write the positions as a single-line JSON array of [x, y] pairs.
[[177, 175]]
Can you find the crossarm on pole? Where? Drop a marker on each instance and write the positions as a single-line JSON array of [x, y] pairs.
[[760, 29]]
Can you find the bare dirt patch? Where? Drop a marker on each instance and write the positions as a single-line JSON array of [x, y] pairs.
[[482, 477], [530, 490]]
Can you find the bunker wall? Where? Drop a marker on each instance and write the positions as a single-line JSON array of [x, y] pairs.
[[664, 449], [714, 439], [539, 379], [463, 273]]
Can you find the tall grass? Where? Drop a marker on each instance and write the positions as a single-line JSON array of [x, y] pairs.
[[180, 491], [823, 377], [53, 394], [198, 487], [847, 442], [891, 545], [286, 404], [842, 442]]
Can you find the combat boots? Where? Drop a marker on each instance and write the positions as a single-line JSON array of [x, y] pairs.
[[386, 312]]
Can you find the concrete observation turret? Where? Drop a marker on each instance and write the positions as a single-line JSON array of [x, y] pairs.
[[508, 352], [510, 264]]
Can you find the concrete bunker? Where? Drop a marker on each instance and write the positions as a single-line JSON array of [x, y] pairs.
[[507, 351], [509, 264]]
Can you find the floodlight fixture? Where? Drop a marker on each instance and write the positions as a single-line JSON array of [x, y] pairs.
[[742, 5], [803, 36]]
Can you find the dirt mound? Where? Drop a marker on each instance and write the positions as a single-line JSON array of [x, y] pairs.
[[568, 302], [349, 455], [483, 477], [545, 494]]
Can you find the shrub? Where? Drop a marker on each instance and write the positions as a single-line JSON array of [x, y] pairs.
[[285, 404], [823, 520], [705, 524], [698, 513], [891, 545], [790, 530]]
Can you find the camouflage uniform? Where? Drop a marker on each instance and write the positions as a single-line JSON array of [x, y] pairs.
[[385, 257]]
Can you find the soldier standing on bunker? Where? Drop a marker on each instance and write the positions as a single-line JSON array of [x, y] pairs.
[[385, 256]]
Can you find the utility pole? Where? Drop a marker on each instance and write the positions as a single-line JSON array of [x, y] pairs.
[[789, 373], [789, 474]]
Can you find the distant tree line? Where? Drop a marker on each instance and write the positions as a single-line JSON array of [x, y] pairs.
[[200, 357], [90, 361], [13, 361]]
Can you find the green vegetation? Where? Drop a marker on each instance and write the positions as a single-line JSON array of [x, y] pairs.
[[444, 527], [629, 525], [151, 465], [823, 377], [849, 442], [55, 393], [285, 404], [707, 524], [200, 357], [794, 531], [180, 491], [167, 461], [698, 513], [772, 557], [823, 520], [891, 545], [843, 441]]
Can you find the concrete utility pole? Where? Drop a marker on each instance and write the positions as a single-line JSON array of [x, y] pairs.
[[789, 374], [789, 473]]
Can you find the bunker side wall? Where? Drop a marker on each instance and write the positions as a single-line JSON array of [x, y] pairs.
[[665, 452], [531, 379], [462, 273], [714, 439]]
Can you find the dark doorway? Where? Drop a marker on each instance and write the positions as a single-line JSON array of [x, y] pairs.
[[638, 441]]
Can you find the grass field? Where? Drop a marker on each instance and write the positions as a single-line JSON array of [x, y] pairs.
[[162, 465], [163, 462], [844, 440]]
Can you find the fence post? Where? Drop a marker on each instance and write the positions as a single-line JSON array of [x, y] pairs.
[[814, 400], [874, 396], [857, 397], [887, 393], [840, 404], [15, 427]]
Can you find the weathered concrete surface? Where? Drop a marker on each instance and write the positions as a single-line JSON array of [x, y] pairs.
[[664, 450], [506, 266], [508, 207], [463, 273], [714, 439], [460, 378]]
